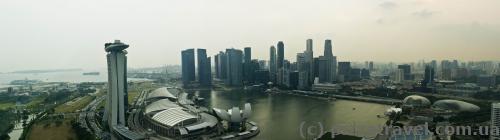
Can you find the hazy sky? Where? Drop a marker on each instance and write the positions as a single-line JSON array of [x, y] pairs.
[[50, 34]]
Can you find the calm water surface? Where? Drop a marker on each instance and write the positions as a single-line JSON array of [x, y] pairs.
[[280, 116]]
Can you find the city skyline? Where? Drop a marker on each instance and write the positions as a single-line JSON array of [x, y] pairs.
[[360, 31]]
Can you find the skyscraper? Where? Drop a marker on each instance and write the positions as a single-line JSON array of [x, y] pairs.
[[222, 65], [303, 72], [316, 67], [498, 70], [323, 69], [400, 76], [217, 70], [280, 63], [344, 71], [247, 64], [117, 83], [234, 67], [204, 68], [272, 64], [281, 54], [310, 59], [495, 121], [355, 74], [285, 73], [407, 71], [365, 73], [331, 65], [188, 67], [428, 76], [333, 69], [328, 48], [248, 54], [370, 66], [434, 65]]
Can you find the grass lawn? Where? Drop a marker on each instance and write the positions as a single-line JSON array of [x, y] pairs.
[[36, 102], [131, 96], [74, 105], [50, 131], [6, 105]]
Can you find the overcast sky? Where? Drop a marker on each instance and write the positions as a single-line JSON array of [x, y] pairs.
[[51, 34]]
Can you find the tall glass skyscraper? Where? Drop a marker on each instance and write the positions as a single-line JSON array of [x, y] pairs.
[[272, 64], [188, 66], [204, 68]]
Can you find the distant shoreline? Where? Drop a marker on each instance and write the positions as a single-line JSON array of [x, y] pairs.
[[44, 71]]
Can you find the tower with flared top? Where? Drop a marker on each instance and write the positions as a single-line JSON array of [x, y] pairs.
[[117, 83]]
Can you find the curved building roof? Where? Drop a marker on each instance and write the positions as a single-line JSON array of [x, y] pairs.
[[224, 115], [415, 100], [173, 116], [160, 105], [234, 114], [161, 93], [455, 105]]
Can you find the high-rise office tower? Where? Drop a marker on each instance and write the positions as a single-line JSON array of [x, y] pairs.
[[498, 70], [323, 69], [400, 76], [316, 67], [286, 74], [365, 73], [234, 60], [495, 121], [333, 69], [434, 65], [188, 66], [280, 63], [204, 68], [355, 74], [454, 64], [281, 54], [407, 71], [303, 71], [446, 68], [217, 70], [263, 65], [328, 48], [332, 62], [344, 71], [247, 64], [248, 54], [272, 65], [294, 77], [222, 65], [310, 59], [428, 76], [370, 66], [208, 68], [117, 83]]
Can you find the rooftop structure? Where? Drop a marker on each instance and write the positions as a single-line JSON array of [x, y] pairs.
[[416, 101], [173, 116], [161, 93], [455, 106]]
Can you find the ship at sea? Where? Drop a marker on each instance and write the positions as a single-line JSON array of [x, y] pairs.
[[91, 73]]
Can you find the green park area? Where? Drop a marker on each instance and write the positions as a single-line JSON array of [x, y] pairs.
[[54, 129], [74, 105]]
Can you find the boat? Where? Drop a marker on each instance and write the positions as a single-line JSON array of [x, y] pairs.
[[91, 73]]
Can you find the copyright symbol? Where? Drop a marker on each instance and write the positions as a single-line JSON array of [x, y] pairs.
[[314, 130]]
